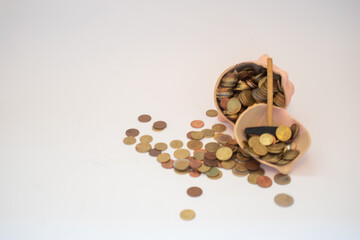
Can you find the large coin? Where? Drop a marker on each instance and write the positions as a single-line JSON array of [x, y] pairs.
[[181, 153], [283, 133], [224, 153], [266, 139]]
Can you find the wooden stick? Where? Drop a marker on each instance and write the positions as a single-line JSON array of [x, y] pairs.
[[269, 92]]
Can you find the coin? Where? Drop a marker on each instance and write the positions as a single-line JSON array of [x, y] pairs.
[[219, 127], [211, 113], [240, 167], [208, 133], [282, 179], [213, 172], [197, 124], [224, 153], [252, 178], [188, 135], [264, 181], [176, 144], [168, 165], [182, 172], [252, 165], [159, 125], [194, 144], [203, 168], [253, 140], [284, 200], [217, 177], [161, 146], [194, 173], [132, 132], [223, 138], [211, 163], [239, 174], [129, 140], [266, 139], [187, 214], [194, 191], [197, 135], [259, 171], [156, 130], [210, 155], [260, 149], [154, 152], [143, 147], [229, 164], [194, 163], [146, 139], [200, 155], [283, 133], [144, 118], [212, 146], [181, 164], [163, 157], [181, 153], [233, 105]]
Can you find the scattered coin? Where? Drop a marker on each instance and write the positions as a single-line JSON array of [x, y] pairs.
[[239, 174], [194, 191], [284, 200], [161, 146], [211, 113], [216, 177], [188, 135], [143, 147], [181, 153], [132, 132], [168, 165], [200, 155], [194, 173], [194, 144], [146, 139], [229, 164], [163, 157], [181, 164], [187, 214], [197, 124], [182, 172], [208, 133], [154, 152], [129, 140], [252, 165], [203, 168], [159, 125], [264, 181], [176, 144], [144, 118], [219, 127], [212, 146], [224, 153], [195, 163], [197, 135], [282, 179]]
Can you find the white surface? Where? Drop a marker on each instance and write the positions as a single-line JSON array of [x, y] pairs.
[[74, 75]]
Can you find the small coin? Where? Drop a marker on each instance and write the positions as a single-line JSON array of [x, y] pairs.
[[181, 164], [282, 179], [224, 153], [219, 127], [284, 200], [211, 113], [161, 146], [252, 178], [187, 214], [129, 140], [132, 132], [154, 152], [146, 139], [197, 124], [194, 173], [176, 144], [194, 191], [168, 165], [194, 144], [181, 153], [159, 125], [212, 146], [163, 157], [208, 133], [144, 118], [197, 135], [266, 139], [264, 181], [283, 133], [143, 147]]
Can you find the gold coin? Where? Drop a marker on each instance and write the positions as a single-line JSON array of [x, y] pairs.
[[211, 113], [228, 164], [194, 144], [282, 179], [253, 140], [260, 149], [197, 135], [266, 139], [156, 130], [283, 133], [181, 164], [181, 153], [224, 153], [199, 155], [240, 167], [212, 146], [129, 140], [284, 200], [187, 214], [217, 177], [208, 133], [182, 172], [219, 127], [176, 144], [146, 139], [203, 168], [161, 146], [252, 178], [239, 174], [163, 157], [259, 171], [143, 147], [233, 105]]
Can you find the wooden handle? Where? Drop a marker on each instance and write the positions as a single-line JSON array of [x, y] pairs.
[[269, 92]]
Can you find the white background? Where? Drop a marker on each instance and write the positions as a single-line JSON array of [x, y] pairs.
[[74, 76]]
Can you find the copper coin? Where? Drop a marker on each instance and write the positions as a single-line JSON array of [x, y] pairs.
[[154, 152], [144, 118], [210, 155], [264, 181], [223, 102], [211, 163], [188, 135], [132, 132], [194, 191], [159, 125], [195, 163], [168, 165], [252, 165], [194, 173], [197, 124]]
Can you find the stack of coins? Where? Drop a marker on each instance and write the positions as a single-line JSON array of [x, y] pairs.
[[243, 86], [278, 150]]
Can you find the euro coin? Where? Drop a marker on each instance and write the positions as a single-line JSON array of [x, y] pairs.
[[187, 214], [181, 153], [283, 133], [284, 200], [224, 153], [266, 139], [129, 140], [282, 179], [176, 144]]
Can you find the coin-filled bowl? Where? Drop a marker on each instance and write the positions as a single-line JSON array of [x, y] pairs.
[[245, 84], [256, 116]]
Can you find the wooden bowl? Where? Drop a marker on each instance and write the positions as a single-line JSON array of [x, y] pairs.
[[260, 63], [256, 115]]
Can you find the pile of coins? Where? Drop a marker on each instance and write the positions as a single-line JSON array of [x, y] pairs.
[[278, 150], [243, 86]]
